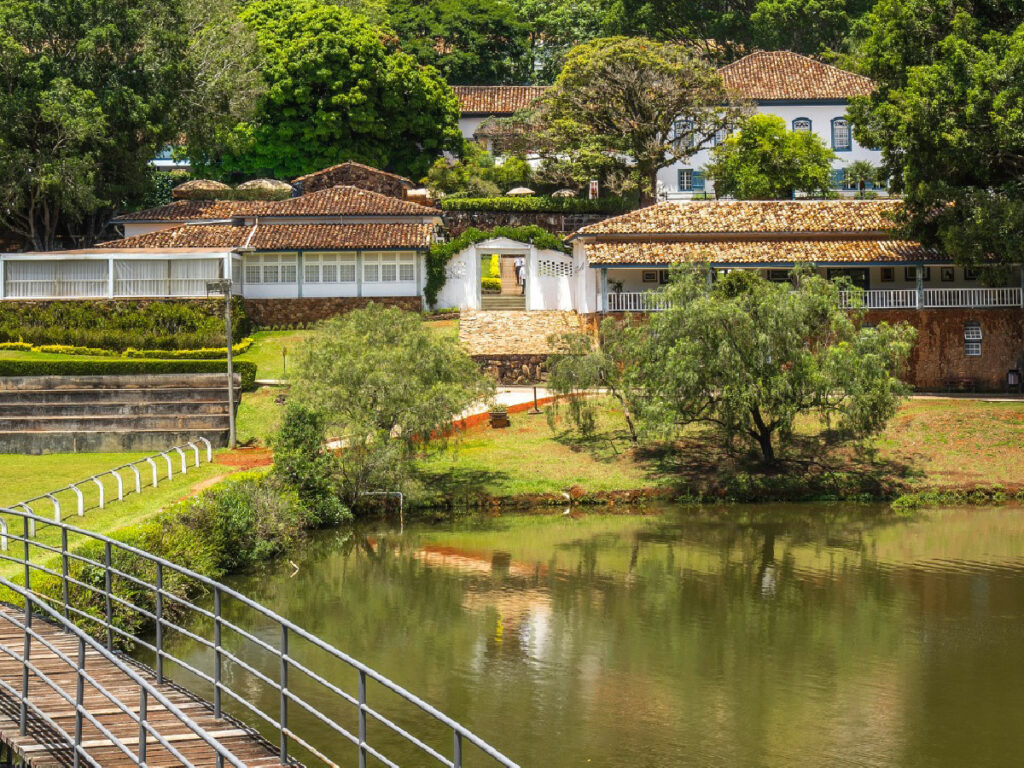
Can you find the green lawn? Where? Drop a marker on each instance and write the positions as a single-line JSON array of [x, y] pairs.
[[273, 351]]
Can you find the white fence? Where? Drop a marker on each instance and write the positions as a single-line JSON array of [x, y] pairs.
[[930, 298]]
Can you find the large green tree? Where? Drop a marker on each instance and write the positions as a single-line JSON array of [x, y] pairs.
[[470, 41], [765, 160], [388, 388], [948, 115], [88, 92], [642, 104], [337, 89], [555, 26]]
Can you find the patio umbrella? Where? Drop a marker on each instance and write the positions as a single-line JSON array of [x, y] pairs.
[[564, 193], [270, 185], [520, 192], [203, 187]]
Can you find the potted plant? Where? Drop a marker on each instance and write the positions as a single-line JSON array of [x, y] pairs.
[[499, 417]]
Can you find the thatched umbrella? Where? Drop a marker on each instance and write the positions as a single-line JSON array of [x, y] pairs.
[[269, 185], [520, 192], [198, 187], [564, 193]]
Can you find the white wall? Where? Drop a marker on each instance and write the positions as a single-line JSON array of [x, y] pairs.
[[549, 282], [820, 115]]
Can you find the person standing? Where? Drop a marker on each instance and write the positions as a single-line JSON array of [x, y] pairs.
[[520, 267]]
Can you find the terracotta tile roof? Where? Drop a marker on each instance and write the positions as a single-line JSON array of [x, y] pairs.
[[778, 75], [335, 201], [284, 236], [357, 166], [496, 99], [765, 252], [752, 216]]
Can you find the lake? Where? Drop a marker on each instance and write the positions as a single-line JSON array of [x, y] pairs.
[[803, 635]]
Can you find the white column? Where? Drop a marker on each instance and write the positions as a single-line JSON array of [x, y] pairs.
[[359, 274], [604, 289], [473, 273], [110, 277], [1021, 283], [298, 273], [920, 286], [3, 279], [532, 274]]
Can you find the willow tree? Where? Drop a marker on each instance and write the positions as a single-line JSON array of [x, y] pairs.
[[750, 357], [644, 103]]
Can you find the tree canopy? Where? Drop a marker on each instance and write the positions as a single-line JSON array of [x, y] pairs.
[[386, 386], [748, 357], [636, 104], [337, 89], [765, 160], [949, 117]]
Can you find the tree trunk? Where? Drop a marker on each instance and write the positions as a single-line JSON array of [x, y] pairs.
[[763, 435], [649, 191]]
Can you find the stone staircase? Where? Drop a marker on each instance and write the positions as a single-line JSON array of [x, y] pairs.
[[515, 333], [503, 302], [110, 414]]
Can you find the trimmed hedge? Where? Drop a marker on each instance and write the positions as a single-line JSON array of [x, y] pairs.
[[245, 369], [209, 353], [117, 324], [441, 253], [537, 204]]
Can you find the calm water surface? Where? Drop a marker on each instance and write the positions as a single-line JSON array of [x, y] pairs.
[[768, 636]]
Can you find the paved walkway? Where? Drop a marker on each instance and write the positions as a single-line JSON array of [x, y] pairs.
[[514, 333]]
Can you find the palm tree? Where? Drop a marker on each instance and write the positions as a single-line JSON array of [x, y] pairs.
[[861, 173]]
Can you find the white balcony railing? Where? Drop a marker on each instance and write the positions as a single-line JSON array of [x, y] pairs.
[[637, 301], [972, 297], [931, 298]]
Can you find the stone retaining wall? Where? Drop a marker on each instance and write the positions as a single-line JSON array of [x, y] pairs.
[[514, 369], [268, 312], [938, 357]]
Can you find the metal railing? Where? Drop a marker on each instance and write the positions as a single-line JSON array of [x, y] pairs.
[[154, 473], [888, 299], [236, 662], [145, 694], [972, 298]]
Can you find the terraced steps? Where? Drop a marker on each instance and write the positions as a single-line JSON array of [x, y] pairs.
[[78, 414]]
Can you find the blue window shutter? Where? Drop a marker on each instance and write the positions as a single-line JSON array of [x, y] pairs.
[[698, 181], [838, 174]]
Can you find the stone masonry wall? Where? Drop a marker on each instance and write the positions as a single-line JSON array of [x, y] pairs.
[[267, 312], [498, 333], [514, 369], [938, 357]]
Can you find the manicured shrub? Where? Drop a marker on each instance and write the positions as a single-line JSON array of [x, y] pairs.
[[302, 461], [120, 324], [491, 284], [246, 370]]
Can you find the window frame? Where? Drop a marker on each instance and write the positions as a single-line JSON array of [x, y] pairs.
[[689, 186], [836, 121], [810, 125]]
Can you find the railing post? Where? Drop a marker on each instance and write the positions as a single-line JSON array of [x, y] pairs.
[[184, 461], [457, 753], [81, 499], [26, 526], [216, 653], [31, 527], [26, 655], [120, 484], [56, 506], [209, 448], [107, 604], [362, 719], [100, 486], [138, 478], [3, 534], [64, 569], [79, 699], [283, 716], [159, 611], [170, 471], [152, 463], [195, 448], [142, 725]]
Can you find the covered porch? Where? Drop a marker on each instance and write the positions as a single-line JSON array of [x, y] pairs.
[[640, 288]]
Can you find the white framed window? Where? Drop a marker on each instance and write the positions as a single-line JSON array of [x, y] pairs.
[[271, 268], [682, 130], [686, 180], [389, 266], [329, 267], [721, 135], [802, 125], [841, 139], [972, 338]]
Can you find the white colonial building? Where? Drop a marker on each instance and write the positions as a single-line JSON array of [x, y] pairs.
[[807, 94]]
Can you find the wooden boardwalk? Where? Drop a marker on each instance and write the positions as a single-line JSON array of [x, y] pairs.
[[42, 745]]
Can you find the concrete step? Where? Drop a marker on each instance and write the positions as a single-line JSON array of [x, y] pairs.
[[46, 397], [104, 441], [105, 408], [146, 381], [89, 423], [502, 303]]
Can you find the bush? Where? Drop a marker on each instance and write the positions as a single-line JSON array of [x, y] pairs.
[[302, 461], [491, 284], [537, 204], [245, 369], [118, 325]]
